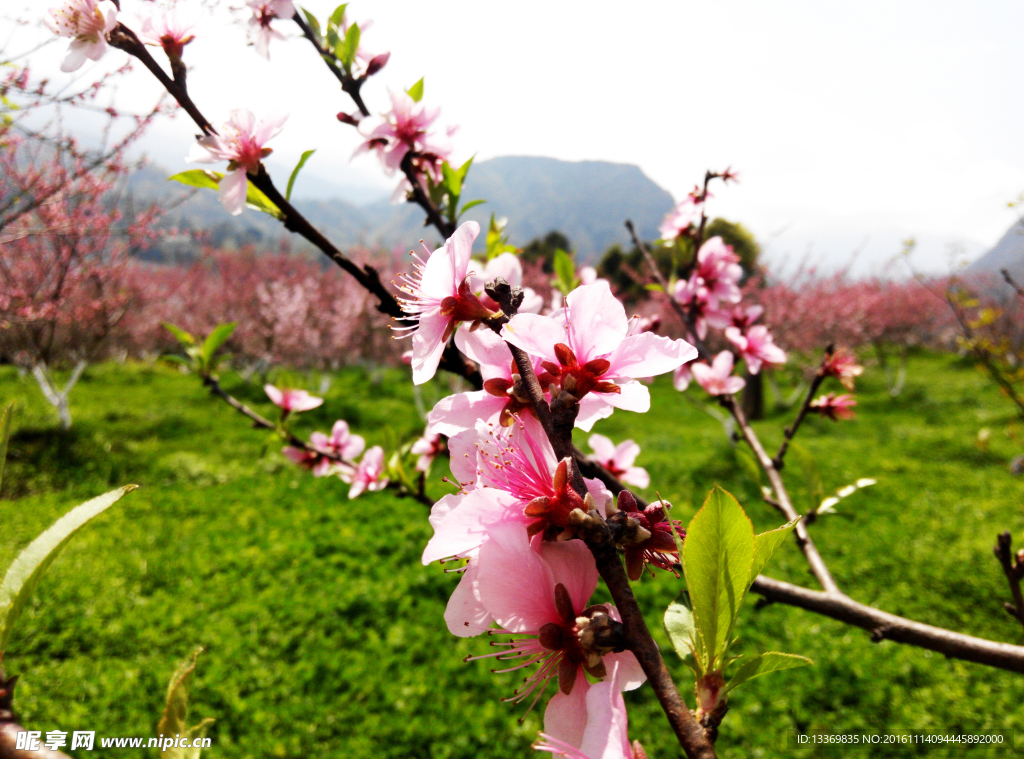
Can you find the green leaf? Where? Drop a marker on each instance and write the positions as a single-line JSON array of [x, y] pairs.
[[565, 272], [338, 16], [182, 336], [255, 199], [313, 24], [717, 555], [295, 173], [217, 338], [181, 360], [654, 287], [345, 49], [766, 544], [208, 180], [682, 631], [463, 170], [471, 204], [416, 91], [452, 180], [27, 570], [772, 661], [172, 721], [5, 435]]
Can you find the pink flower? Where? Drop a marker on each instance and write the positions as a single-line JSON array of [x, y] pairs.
[[716, 379], [369, 475], [263, 12], [681, 377], [427, 448], [340, 442], [587, 349], [756, 347], [168, 30], [684, 218], [439, 298], [240, 142], [835, 407], [602, 732], [843, 366], [544, 594], [87, 23], [618, 460], [719, 271], [406, 128], [503, 396], [292, 400]]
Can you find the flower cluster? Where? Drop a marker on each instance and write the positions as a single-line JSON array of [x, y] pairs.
[[334, 454], [513, 526]]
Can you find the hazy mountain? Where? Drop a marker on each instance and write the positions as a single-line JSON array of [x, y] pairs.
[[1007, 254], [588, 201]]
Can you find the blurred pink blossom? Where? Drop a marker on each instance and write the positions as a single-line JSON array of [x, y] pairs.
[[716, 379], [619, 460], [263, 13], [369, 474], [292, 400], [87, 23]]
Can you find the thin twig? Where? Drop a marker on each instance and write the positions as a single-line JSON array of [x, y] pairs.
[[884, 626], [1009, 280], [790, 432], [1013, 568]]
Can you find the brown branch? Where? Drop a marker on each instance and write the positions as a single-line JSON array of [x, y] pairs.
[[1013, 568], [790, 432], [350, 84], [803, 537], [884, 626]]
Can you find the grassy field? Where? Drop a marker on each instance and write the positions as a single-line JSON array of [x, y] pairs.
[[325, 636]]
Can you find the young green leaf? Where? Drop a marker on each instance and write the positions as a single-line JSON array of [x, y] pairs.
[[452, 180], [172, 721], [416, 91], [181, 335], [717, 555], [471, 204], [463, 170], [255, 199], [5, 435], [565, 272], [338, 16], [345, 49], [179, 360], [217, 338], [766, 544], [314, 25], [27, 570], [772, 661], [682, 631], [295, 173], [208, 180]]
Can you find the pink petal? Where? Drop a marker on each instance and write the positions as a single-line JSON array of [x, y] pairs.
[[461, 245], [602, 496], [506, 266], [460, 412], [605, 736], [634, 397], [630, 674], [465, 615], [76, 55], [626, 454], [637, 477], [597, 321], [565, 719], [468, 525], [233, 189], [462, 454], [428, 345], [593, 407], [515, 584], [488, 350], [537, 335], [275, 395], [603, 448], [648, 355], [572, 564]]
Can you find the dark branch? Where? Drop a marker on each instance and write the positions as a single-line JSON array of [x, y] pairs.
[[884, 626], [1013, 568]]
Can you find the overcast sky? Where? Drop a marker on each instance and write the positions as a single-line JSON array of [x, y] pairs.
[[852, 125]]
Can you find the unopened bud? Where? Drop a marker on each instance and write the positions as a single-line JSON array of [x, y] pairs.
[[346, 118], [627, 501], [377, 63]]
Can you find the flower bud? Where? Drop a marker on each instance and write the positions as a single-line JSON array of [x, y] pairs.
[[346, 118], [377, 63]]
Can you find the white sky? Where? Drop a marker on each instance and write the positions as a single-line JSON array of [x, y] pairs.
[[852, 125]]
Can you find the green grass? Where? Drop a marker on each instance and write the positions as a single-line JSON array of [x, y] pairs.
[[325, 635]]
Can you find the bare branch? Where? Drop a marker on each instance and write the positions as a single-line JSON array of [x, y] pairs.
[[884, 626], [1013, 568]]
